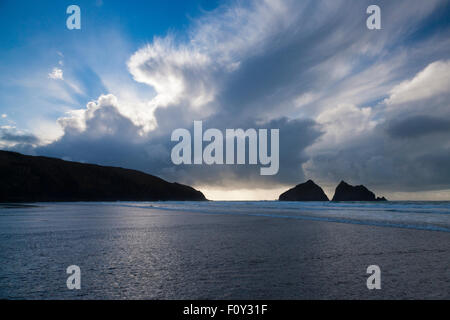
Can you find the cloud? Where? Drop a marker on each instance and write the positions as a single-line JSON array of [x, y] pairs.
[[100, 119], [10, 137], [350, 103], [345, 122], [295, 136], [99, 134], [100, 129], [174, 72], [56, 74], [433, 80], [392, 149], [416, 126]]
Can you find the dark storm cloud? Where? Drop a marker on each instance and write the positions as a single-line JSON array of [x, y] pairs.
[[295, 136], [12, 135], [110, 139], [19, 138], [417, 126], [408, 155]]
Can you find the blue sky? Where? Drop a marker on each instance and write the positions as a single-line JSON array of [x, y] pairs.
[[366, 106], [35, 38]]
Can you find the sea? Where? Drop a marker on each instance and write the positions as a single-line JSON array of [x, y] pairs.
[[225, 250]]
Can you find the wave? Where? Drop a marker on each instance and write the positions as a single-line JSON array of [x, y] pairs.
[[432, 216]]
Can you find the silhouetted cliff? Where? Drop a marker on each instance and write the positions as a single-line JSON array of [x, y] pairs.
[[308, 191], [346, 192], [34, 179]]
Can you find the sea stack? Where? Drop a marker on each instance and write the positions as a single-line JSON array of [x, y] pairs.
[[308, 191], [346, 192]]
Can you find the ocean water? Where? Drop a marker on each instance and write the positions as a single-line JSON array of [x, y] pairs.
[[225, 250]]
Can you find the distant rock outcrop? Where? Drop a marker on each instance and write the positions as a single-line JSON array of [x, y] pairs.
[[346, 192], [41, 179], [308, 191]]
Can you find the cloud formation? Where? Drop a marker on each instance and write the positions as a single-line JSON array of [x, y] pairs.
[[350, 103], [402, 146], [12, 138], [56, 74]]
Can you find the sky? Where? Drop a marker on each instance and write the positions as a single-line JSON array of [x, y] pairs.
[[366, 106]]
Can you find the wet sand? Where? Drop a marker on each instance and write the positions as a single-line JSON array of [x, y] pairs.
[[137, 253]]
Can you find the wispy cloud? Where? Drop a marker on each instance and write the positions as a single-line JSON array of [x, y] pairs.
[[56, 74]]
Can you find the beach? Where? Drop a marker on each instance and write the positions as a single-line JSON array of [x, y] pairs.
[[259, 250]]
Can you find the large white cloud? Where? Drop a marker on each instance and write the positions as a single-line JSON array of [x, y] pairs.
[[345, 122], [432, 81], [174, 72]]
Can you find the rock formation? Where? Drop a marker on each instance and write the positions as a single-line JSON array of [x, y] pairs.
[[346, 192], [38, 179], [308, 191]]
